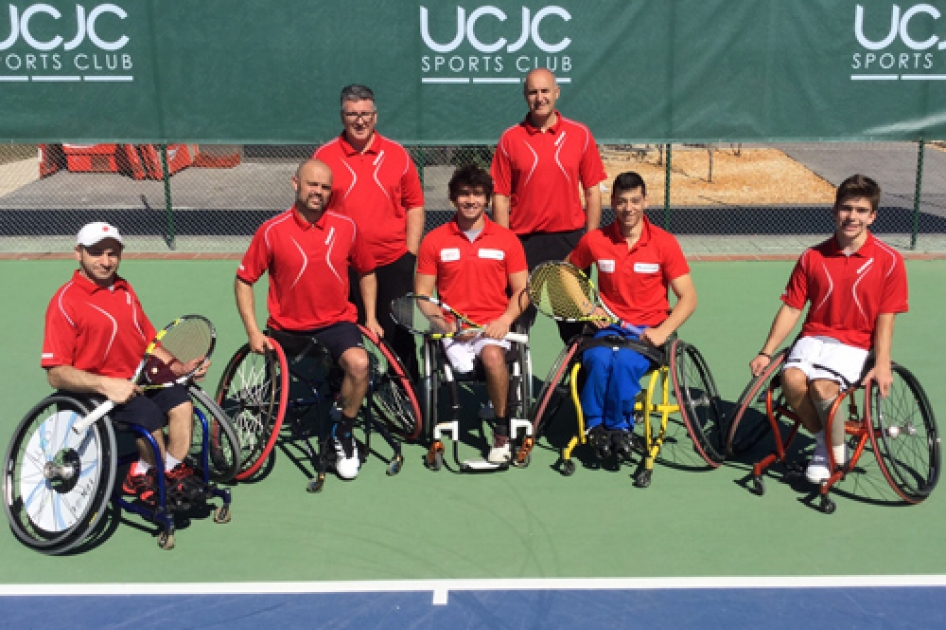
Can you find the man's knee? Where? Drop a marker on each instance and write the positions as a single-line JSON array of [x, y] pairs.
[[794, 382], [823, 390], [354, 363], [493, 359]]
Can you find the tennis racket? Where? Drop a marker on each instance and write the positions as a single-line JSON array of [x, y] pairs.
[[189, 340], [428, 316], [562, 291]]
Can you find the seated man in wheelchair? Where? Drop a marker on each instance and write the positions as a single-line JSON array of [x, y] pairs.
[[637, 262], [855, 284], [307, 251], [96, 334], [476, 265]]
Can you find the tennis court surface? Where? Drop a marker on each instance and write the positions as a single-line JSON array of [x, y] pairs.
[[522, 548]]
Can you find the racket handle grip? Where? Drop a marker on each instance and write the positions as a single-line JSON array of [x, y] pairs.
[[634, 329], [96, 414], [517, 337]]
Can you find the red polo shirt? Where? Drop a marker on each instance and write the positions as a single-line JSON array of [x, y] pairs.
[[543, 174], [376, 189], [101, 330], [633, 283], [472, 277], [308, 268], [847, 293]]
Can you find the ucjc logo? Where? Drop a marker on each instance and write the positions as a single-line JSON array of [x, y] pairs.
[[488, 57], [21, 26], [466, 27]]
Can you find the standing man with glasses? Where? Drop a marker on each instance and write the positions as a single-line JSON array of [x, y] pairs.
[[538, 168], [376, 184]]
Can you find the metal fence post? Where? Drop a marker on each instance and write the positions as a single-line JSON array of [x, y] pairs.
[[168, 209], [667, 189], [918, 192]]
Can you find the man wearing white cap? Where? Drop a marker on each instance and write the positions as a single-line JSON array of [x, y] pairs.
[[96, 333]]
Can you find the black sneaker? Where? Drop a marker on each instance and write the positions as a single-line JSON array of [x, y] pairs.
[[598, 438]]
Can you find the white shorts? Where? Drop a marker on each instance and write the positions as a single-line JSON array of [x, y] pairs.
[[827, 359], [462, 353]]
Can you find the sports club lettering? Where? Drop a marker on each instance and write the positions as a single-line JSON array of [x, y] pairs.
[[39, 42], [487, 45], [895, 42]]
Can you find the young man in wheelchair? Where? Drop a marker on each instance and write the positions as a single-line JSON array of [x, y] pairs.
[[307, 252], [476, 265], [637, 262], [855, 285], [96, 335]]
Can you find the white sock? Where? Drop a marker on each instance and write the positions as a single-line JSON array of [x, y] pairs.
[[170, 462], [141, 467], [840, 456]]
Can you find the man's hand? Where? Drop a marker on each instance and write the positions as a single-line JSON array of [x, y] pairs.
[[496, 329], [759, 363], [654, 336], [373, 325], [259, 343], [883, 376], [119, 390]]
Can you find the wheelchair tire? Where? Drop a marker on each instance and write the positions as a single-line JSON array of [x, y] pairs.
[[394, 401], [698, 398], [553, 390], [750, 418], [224, 458], [56, 483], [904, 436], [253, 392]]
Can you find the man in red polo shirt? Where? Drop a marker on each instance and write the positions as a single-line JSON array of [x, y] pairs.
[[856, 285], [96, 335], [308, 251], [538, 168], [376, 184], [637, 262], [475, 265]]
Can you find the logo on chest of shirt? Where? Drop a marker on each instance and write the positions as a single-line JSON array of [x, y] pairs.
[[451, 254], [646, 267], [605, 266], [492, 254]]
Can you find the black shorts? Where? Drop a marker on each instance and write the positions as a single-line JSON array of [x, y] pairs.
[[150, 409], [540, 248], [337, 338]]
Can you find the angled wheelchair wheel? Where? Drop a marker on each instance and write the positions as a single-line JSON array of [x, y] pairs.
[[750, 419], [394, 400], [904, 436], [695, 391], [554, 390], [224, 454], [253, 392], [56, 483]]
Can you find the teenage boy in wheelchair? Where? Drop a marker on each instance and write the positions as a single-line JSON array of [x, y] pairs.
[[855, 284], [96, 335], [307, 251], [479, 268], [637, 262]]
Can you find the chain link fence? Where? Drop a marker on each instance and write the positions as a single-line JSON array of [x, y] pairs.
[[722, 199]]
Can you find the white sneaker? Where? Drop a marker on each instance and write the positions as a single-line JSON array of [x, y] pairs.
[[501, 452], [346, 467], [818, 469]]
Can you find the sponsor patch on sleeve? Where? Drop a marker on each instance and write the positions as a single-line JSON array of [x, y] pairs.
[[646, 267], [450, 254]]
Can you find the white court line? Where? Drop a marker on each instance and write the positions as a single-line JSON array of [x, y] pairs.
[[924, 77], [440, 589], [108, 77], [55, 78]]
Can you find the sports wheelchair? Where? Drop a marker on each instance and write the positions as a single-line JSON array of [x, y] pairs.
[[677, 368], [900, 430], [57, 482], [277, 393], [437, 373]]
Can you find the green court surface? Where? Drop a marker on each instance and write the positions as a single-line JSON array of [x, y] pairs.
[[523, 523]]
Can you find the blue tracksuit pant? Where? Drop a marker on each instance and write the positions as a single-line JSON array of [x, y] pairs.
[[613, 381]]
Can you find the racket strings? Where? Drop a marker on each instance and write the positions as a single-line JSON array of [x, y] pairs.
[[423, 316], [189, 339], [559, 292]]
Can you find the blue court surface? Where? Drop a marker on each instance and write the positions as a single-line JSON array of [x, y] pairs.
[[808, 602]]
